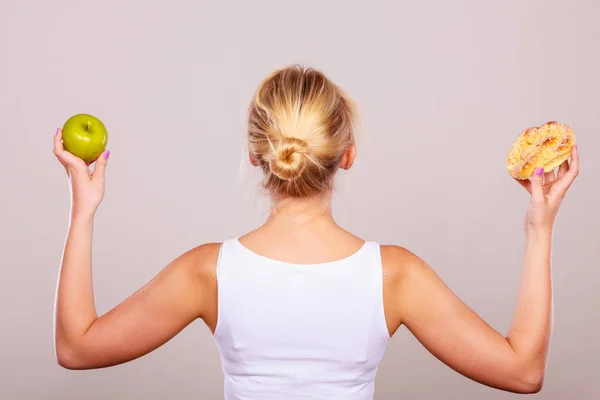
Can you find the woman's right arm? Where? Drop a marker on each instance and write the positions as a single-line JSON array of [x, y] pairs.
[[452, 332], [180, 293]]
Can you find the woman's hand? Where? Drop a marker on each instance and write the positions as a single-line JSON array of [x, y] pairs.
[[87, 188], [547, 192]]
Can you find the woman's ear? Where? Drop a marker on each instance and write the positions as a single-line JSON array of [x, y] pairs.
[[348, 157], [253, 159]]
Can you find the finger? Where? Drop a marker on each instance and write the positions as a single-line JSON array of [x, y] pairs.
[[57, 147], [562, 170], [525, 183], [537, 185], [100, 168], [549, 177], [563, 184]]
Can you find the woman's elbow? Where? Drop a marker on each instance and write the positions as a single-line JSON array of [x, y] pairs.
[[68, 357], [530, 382]]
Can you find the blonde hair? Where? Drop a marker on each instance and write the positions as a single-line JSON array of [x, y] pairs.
[[299, 126]]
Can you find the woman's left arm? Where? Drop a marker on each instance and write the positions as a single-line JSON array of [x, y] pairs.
[[150, 317]]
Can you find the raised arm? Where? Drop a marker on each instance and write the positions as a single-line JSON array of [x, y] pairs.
[[182, 292], [452, 332]]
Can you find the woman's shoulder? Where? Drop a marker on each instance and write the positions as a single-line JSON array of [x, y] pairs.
[[399, 263], [201, 260]]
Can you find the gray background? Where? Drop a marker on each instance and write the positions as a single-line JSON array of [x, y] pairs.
[[444, 87]]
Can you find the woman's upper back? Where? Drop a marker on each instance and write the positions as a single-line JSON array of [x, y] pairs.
[[298, 330]]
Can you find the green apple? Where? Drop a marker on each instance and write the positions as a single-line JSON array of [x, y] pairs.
[[84, 136]]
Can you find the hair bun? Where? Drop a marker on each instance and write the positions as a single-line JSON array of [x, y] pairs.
[[546, 146], [288, 158]]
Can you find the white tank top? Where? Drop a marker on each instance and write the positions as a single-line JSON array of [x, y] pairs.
[[297, 331]]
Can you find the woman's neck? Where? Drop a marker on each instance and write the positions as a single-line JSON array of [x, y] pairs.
[[301, 210]]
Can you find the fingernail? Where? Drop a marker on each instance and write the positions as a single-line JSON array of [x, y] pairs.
[[539, 171], [57, 130], [106, 153]]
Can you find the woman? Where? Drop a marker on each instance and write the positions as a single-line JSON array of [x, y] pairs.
[[299, 307]]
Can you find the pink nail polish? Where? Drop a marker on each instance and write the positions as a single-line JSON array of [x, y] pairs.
[[57, 130], [106, 153], [539, 171]]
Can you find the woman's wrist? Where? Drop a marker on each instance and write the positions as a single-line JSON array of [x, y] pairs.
[[82, 218], [539, 232], [538, 238]]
